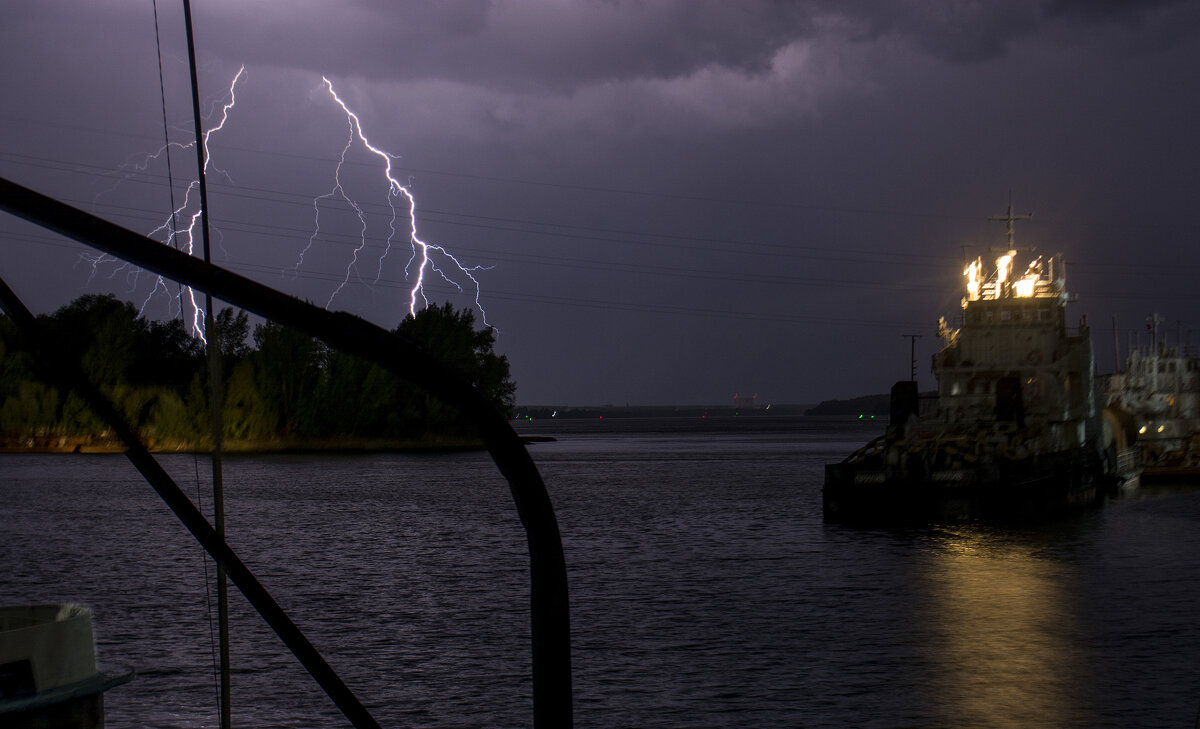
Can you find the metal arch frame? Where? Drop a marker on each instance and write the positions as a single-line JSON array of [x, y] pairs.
[[549, 610]]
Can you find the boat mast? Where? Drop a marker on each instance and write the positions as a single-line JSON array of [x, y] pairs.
[[1009, 219], [212, 350], [912, 355]]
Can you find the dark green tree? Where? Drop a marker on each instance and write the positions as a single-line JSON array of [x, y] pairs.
[[289, 385], [139, 364], [99, 332], [451, 338], [165, 353], [286, 370], [246, 416], [359, 398], [233, 335]]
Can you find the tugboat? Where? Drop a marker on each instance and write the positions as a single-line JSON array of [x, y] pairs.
[[1014, 434], [1157, 396]]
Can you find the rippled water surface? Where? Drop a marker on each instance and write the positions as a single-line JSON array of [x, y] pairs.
[[706, 590]]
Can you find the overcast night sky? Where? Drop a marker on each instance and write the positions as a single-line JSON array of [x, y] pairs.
[[675, 200]]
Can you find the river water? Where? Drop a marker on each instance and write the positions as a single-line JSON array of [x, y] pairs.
[[705, 589]]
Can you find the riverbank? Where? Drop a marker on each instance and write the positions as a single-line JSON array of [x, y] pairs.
[[76, 444]]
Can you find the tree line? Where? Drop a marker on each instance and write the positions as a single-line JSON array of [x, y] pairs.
[[281, 387]]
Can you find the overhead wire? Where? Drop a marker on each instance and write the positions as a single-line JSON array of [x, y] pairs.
[[555, 231], [174, 226]]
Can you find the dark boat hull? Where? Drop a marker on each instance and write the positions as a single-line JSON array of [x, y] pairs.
[[1043, 487]]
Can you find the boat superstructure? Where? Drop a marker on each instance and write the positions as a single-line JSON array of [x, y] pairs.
[[1158, 395], [1015, 425]]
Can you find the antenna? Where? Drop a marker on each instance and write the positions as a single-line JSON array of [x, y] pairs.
[[912, 355], [1009, 219]]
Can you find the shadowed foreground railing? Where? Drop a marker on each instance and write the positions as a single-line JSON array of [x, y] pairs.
[[549, 615]]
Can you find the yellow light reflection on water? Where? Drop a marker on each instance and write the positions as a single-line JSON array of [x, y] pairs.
[[1002, 629]]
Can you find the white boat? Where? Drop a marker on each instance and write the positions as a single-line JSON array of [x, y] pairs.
[[1158, 396]]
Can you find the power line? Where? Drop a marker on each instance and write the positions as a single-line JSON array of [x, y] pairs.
[[570, 230]]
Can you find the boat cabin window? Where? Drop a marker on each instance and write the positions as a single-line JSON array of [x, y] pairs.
[[1005, 315]]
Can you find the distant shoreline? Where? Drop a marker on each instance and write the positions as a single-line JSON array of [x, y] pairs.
[[525, 412], [869, 405], [78, 445], [877, 405]]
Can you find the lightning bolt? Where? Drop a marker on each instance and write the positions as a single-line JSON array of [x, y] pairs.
[[180, 227], [425, 255], [183, 237]]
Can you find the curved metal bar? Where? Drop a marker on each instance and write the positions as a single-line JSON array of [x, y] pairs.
[[549, 611], [68, 374]]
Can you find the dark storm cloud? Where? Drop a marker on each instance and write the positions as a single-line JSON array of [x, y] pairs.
[[1116, 10], [561, 46], [549, 44], [961, 32], [678, 67], [969, 31], [1130, 25], [680, 198]]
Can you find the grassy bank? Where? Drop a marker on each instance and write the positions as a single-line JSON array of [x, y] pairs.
[[72, 444]]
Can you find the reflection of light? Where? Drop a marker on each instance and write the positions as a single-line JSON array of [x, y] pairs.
[[1142, 430], [1161, 428], [1000, 633]]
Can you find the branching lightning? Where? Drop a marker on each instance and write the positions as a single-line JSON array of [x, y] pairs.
[[183, 238], [186, 239], [179, 229], [423, 258]]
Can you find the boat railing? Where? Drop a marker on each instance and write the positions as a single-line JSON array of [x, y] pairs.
[[1128, 459], [549, 616]]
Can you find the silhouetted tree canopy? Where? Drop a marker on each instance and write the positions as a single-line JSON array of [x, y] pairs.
[[286, 388]]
